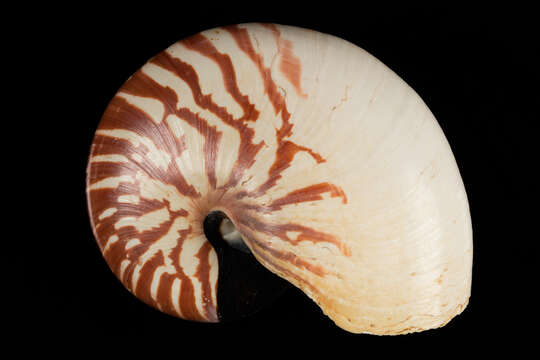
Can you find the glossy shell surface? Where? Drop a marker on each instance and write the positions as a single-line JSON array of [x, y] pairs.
[[331, 167]]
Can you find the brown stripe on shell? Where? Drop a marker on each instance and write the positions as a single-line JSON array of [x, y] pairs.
[[280, 231], [286, 149], [146, 273], [284, 157], [309, 193], [121, 115], [242, 39], [144, 282], [106, 198], [133, 254], [247, 149], [289, 65], [212, 137], [187, 301], [261, 254], [203, 46], [164, 294], [117, 251], [203, 274], [126, 116], [293, 259]]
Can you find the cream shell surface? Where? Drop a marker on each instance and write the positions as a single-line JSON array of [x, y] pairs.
[[332, 169]]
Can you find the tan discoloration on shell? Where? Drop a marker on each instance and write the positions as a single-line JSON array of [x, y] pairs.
[[334, 171]]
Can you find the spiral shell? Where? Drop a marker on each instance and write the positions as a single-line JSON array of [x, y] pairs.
[[333, 170]]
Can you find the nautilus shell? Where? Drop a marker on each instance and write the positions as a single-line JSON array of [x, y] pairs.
[[326, 166]]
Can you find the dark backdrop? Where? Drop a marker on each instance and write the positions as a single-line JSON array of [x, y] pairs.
[[474, 68]]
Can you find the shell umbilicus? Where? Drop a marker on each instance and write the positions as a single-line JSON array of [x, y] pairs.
[[326, 166]]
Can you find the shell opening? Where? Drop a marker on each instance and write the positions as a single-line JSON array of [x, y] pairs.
[[244, 285], [221, 232], [232, 236]]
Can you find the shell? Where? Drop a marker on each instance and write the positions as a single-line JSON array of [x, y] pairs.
[[332, 168]]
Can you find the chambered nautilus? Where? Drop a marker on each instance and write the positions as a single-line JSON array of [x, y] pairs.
[[257, 150]]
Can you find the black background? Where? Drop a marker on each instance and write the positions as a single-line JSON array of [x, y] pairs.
[[474, 68]]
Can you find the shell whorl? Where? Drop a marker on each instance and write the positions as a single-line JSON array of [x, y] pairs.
[[274, 126]]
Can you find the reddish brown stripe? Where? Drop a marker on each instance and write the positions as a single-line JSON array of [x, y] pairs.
[[146, 238], [203, 274], [114, 257], [243, 41], [172, 175], [247, 149], [187, 303], [186, 299], [284, 272], [309, 193], [286, 149], [280, 231], [187, 293], [187, 73], [293, 259], [202, 45], [169, 98], [103, 170], [122, 115], [289, 65], [281, 255], [212, 138], [106, 198], [284, 156], [117, 252], [146, 276], [164, 291]]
